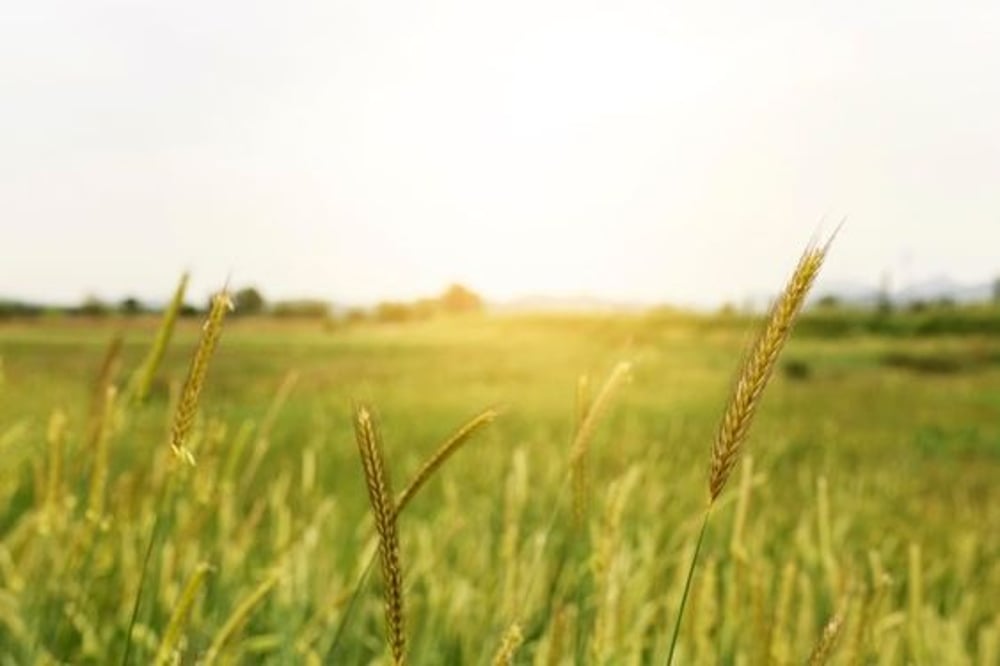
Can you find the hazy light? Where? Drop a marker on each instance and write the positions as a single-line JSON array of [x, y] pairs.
[[363, 150]]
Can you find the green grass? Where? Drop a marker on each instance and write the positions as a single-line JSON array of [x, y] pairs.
[[909, 458]]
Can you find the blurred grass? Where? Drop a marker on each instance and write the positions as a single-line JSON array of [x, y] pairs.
[[909, 458]]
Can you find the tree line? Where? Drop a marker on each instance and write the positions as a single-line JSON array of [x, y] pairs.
[[250, 302]]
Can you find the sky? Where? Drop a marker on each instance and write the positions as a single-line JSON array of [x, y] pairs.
[[355, 151]]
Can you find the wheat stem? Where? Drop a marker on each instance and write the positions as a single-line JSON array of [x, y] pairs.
[[384, 511], [142, 381], [450, 446], [180, 615]]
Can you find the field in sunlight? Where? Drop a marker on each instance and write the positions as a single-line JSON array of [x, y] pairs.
[[869, 497]]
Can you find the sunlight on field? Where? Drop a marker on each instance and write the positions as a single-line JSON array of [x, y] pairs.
[[868, 485]]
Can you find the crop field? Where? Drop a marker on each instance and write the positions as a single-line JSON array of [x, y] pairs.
[[860, 526]]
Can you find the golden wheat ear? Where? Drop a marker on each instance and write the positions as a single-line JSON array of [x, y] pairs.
[[384, 512], [758, 367], [751, 380], [187, 406], [512, 640]]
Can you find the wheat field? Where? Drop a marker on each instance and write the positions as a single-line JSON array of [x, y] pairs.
[[232, 522]]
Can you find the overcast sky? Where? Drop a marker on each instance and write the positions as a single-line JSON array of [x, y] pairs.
[[649, 151]]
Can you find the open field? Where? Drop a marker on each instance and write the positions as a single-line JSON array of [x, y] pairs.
[[871, 494]]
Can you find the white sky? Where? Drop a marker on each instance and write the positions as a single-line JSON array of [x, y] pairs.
[[652, 151]]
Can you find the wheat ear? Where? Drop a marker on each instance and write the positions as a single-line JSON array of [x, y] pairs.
[[591, 416], [384, 511], [99, 469], [512, 640], [187, 406], [237, 618], [442, 454], [178, 619], [828, 640], [750, 383], [757, 369], [142, 381]]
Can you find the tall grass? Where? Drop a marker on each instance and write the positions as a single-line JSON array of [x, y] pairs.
[[519, 553], [751, 380]]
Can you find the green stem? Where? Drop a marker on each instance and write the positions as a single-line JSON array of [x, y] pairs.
[[687, 586]]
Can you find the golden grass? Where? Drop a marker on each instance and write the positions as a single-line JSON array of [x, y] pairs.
[[512, 640], [757, 368], [751, 380], [384, 511], [187, 406]]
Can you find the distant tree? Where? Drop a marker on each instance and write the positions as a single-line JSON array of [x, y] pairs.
[[188, 310], [996, 291], [393, 311], [728, 309], [248, 301], [883, 301], [304, 309], [19, 309], [130, 306], [92, 306], [355, 315], [458, 298], [829, 302]]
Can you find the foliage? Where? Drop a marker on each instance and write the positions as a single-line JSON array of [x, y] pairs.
[[249, 301]]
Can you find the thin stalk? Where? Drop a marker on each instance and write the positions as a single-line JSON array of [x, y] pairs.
[[154, 534], [687, 585]]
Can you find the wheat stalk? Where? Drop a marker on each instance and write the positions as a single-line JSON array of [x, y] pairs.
[[99, 468], [443, 452], [142, 381], [450, 446], [180, 615], [591, 414], [237, 618], [757, 369], [56, 436], [384, 511], [187, 406]]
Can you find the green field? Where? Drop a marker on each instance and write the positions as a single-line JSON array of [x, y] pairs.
[[871, 493]]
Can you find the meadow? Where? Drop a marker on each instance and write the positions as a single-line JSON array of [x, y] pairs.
[[865, 507]]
